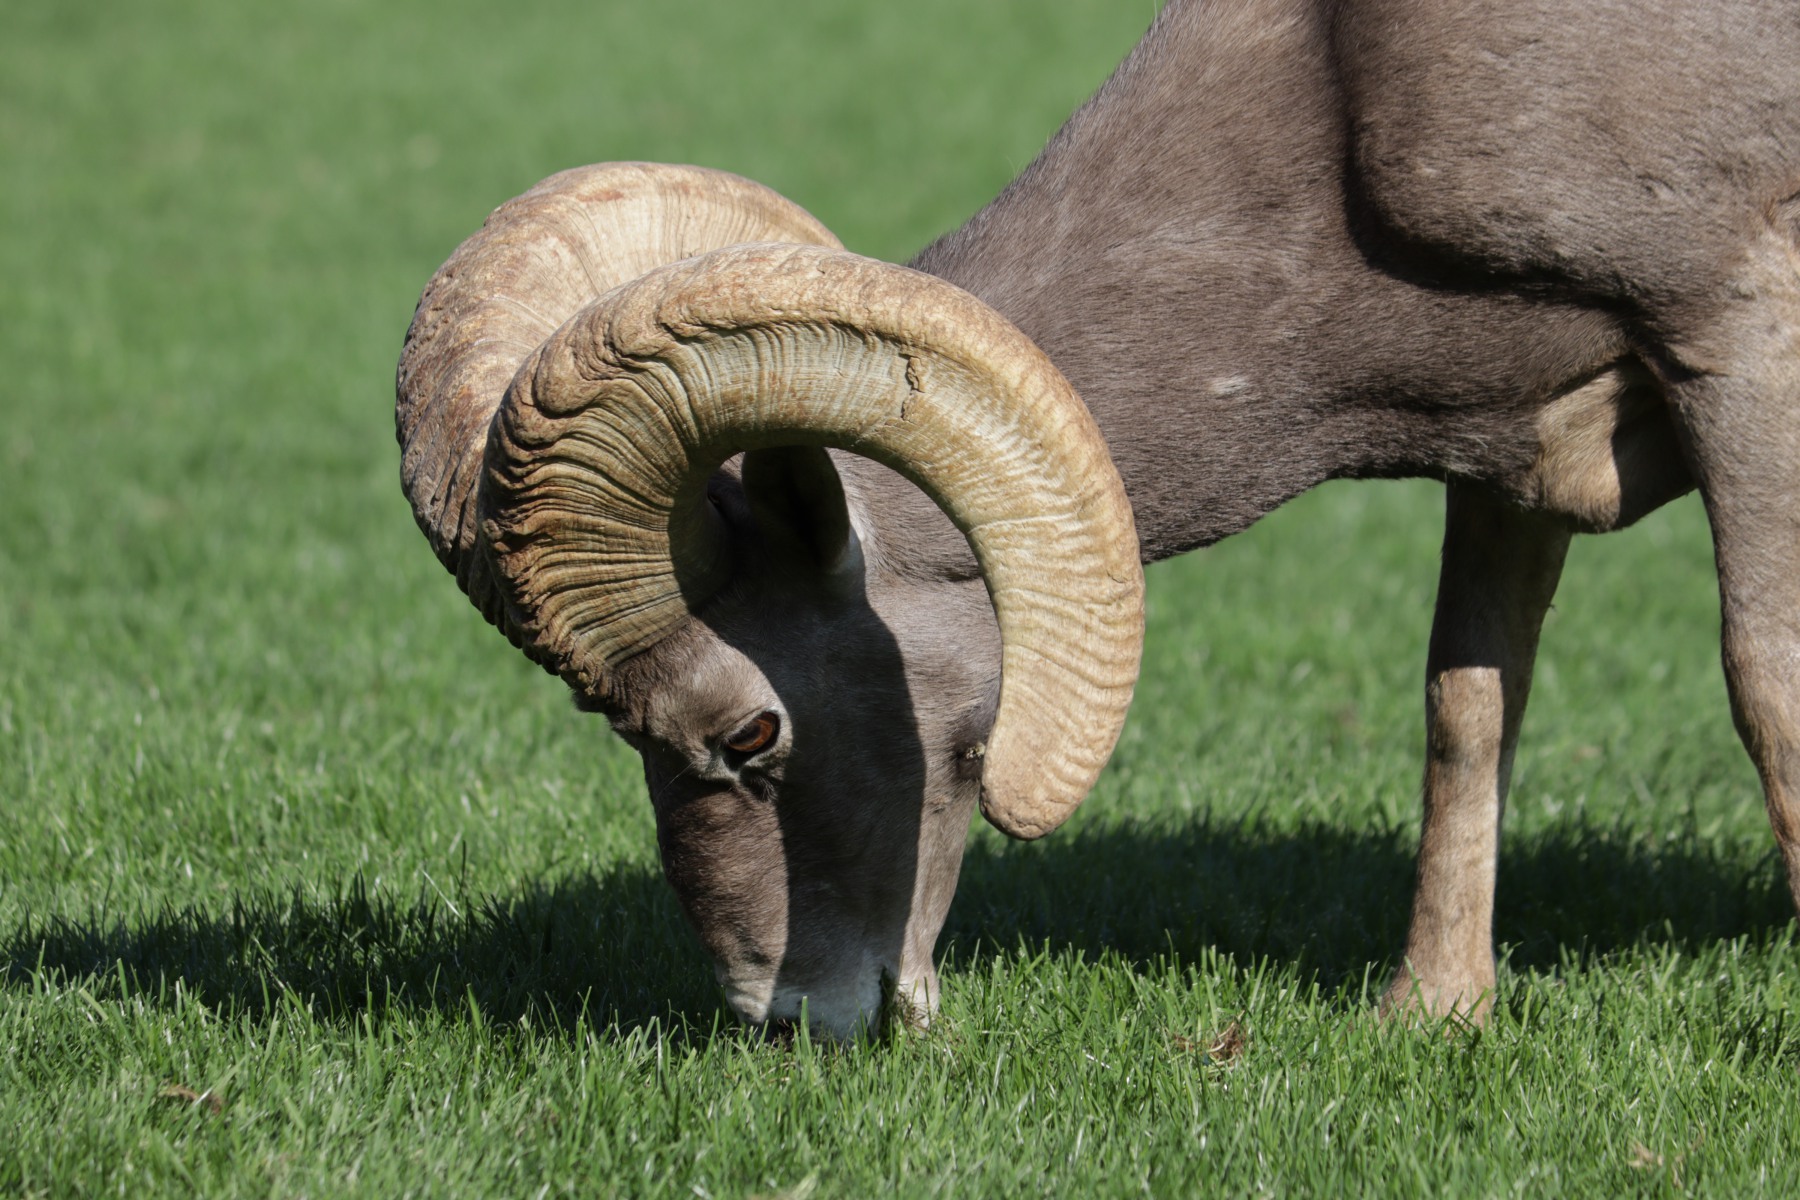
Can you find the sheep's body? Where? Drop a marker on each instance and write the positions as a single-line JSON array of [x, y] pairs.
[[1277, 249], [1532, 250], [1545, 252]]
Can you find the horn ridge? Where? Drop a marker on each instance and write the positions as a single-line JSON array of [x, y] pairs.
[[763, 345], [538, 260]]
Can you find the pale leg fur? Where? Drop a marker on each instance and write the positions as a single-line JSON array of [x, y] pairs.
[[1742, 421], [1500, 571]]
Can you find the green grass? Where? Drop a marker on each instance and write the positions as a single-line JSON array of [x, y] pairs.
[[282, 821]]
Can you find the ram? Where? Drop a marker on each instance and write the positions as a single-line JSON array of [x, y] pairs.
[[843, 548]]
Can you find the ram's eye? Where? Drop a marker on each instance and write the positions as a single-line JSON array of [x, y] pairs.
[[756, 734]]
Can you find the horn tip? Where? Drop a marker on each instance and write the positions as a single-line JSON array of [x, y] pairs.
[[1024, 818]]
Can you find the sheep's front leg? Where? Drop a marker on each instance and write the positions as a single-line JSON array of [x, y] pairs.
[[1500, 570]]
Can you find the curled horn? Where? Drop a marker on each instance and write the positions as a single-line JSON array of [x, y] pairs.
[[587, 539], [541, 258]]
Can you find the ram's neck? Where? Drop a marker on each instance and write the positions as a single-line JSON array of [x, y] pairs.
[[1166, 252]]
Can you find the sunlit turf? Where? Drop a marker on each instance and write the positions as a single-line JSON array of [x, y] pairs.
[[284, 825]]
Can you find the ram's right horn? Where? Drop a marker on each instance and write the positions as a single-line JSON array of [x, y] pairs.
[[608, 345]]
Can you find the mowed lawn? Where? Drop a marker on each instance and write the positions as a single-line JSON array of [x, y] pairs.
[[310, 885]]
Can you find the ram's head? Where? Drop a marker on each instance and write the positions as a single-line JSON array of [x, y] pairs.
[[615, 404]]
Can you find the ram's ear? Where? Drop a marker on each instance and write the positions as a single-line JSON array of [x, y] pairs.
[[798, 502]]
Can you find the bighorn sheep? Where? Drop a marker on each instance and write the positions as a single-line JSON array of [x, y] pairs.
[[1541, 250]]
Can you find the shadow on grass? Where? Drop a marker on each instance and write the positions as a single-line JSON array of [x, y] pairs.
[[611, 949], [1334, 903], [598, 948]]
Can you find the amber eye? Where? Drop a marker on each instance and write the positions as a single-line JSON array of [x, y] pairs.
[[755, 735]]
